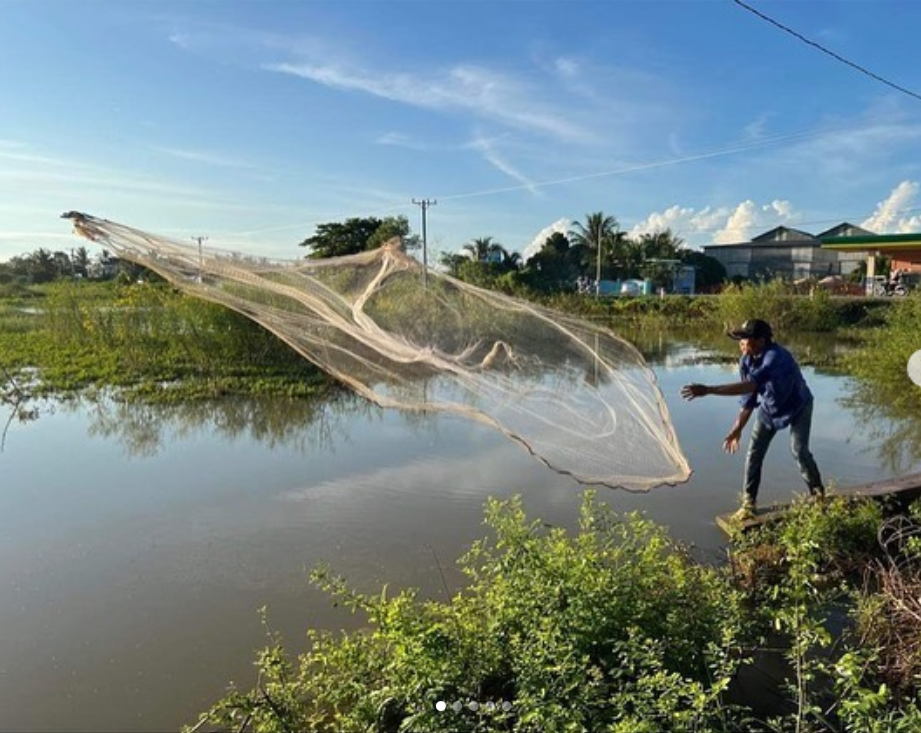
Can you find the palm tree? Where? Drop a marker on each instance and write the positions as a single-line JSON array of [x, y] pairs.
[[592, 235], [663, 245], [511, 261], [483, 249]]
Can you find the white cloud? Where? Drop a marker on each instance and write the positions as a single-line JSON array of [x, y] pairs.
[[399, 140], [183, 40], [674, 218], [784, 210], [566, 67], [888, 219], [739, 224], [748, 220], [487, 148], [721, 225], [208, 158], [560, 226], [485, 93], [757, 129]]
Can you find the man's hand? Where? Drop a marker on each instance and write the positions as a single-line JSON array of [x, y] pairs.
[[693, 391], [731, 442]]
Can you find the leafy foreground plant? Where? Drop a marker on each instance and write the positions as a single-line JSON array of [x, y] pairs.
[[614, 628], [823, 557]]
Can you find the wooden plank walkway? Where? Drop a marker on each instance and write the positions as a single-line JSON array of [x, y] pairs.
[[905, 488]]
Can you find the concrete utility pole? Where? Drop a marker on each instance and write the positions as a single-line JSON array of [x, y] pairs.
[[424, 203], [200, 261], [598, 268]]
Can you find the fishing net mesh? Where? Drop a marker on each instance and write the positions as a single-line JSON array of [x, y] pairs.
[[575, 395]]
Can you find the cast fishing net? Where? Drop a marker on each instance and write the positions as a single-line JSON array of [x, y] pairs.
[[575, 395]]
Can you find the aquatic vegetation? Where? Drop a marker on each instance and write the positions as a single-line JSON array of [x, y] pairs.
[[149, 341]]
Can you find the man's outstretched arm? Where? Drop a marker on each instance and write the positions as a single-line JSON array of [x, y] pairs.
[[734, 389]]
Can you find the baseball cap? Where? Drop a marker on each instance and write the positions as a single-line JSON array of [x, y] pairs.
[[752, 329]]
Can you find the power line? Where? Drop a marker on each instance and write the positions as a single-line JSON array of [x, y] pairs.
[[730, 149], [824, 50]]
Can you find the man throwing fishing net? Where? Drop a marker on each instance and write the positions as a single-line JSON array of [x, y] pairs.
[[771, 381]]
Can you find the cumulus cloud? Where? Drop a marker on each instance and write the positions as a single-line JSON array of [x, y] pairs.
[[888, 218], [719, 225], [674, 218], [560, 226], [749, 219]]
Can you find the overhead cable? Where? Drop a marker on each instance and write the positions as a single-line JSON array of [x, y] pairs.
[[824, 50]]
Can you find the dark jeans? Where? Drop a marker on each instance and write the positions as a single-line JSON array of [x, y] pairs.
[[761, 437]]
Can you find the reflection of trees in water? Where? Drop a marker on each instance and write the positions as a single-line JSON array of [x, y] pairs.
[[300, 424], [17, 398], [894, 428], [143, 428]]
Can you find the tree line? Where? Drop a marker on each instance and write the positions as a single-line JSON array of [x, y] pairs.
[[44, 266], [596, 249], [593, 250]]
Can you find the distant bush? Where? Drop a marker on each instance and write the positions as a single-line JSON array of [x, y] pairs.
[[775, 302]]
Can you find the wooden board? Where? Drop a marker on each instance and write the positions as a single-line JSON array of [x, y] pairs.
[[908, 487]]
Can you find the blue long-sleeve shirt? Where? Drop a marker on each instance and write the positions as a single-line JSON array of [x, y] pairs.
[[782, 391]]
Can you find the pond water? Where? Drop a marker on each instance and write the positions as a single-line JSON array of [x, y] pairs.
[[137, 544]]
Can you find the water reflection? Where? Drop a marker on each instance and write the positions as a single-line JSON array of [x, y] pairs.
[[894, 429], [301, 424], [698, 346], [17, 400], [892, 432]]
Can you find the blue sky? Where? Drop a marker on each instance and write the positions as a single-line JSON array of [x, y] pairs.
[[253, 122]]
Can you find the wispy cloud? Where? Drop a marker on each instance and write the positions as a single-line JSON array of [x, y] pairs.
[[756, 129], [486, 146], [45, 178], [854, 147], [204, 157], [32, 236], [400, 140], [482, 92]]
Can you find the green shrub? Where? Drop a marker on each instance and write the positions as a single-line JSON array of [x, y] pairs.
[[775, 302], [610, 629], [880, 364]]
